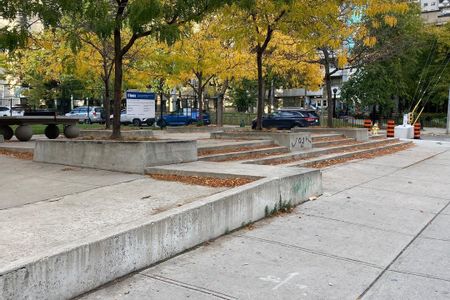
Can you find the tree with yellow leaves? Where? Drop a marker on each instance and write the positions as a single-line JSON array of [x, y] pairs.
[[266, 25], [48, 65], [339, 27], [203, 55]]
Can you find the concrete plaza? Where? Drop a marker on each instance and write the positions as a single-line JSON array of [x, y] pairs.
[[380, 231]]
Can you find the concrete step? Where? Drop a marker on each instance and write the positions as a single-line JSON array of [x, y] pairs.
[[377, 136], [244, 155], [334, 142], [288, 158], [234, 145], [317, 137], [350, 154]]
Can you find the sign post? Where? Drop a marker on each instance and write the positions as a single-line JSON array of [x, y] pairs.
[[141, 104]]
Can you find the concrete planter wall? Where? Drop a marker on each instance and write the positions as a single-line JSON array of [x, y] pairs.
[[294, 141], [124, 156], [85, 265], [125, 133], [359, 134]]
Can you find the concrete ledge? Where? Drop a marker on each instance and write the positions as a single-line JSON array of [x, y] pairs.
[[124, 156], [193, 129], [15, 148], [75, 269], [294, 141], [360, 134], [101, 134]]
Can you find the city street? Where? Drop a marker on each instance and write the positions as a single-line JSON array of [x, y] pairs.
[[380, 231]]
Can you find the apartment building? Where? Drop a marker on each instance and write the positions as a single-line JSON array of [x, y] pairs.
[[435, 11]]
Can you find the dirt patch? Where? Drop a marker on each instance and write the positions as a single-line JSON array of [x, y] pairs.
[[203, 181], [231, 150], [18, 155], [381, 152]]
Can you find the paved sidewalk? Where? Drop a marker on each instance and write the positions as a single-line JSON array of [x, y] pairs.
[[381, 231]]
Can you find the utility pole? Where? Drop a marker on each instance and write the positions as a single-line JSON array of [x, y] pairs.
[[448, 112]]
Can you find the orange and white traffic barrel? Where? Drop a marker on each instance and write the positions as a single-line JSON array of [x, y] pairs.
[[390, 128], [417, 131], [368, 124]]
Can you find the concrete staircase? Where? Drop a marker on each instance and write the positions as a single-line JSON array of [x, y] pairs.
[[339, 147], [243, 151]]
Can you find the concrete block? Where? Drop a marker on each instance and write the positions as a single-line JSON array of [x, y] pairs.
[[67, 272], [107, 133], [404, 132], [359, 134], [294, 141], [124, 156]]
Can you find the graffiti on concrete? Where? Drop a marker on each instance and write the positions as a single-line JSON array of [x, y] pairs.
[[301, 142]]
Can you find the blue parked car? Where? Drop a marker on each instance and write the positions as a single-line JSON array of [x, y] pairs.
[[178, 118]]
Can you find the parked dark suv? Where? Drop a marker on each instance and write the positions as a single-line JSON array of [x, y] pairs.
[[310, 115], [283, 120]]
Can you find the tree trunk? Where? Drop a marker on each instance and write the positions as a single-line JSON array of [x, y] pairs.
[[117, 83], [200, 98], [328, 88], [106, 104], [219, 109], [260, 107]]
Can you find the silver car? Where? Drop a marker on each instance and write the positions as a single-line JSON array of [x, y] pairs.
[[96, 114], [8, 112]]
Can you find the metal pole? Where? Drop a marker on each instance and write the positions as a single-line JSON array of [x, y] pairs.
[[448, 112]]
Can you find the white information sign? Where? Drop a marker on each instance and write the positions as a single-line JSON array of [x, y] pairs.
[[141, 104]]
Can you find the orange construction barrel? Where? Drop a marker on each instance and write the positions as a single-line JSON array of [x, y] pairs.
[[390, 128], [417, 130], [368, 124]]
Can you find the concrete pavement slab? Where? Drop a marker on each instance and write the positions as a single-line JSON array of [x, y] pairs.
[[142, 287], [439, 228], [395, 201], [333, 237], [395, 285], [407, 157], [412, 186], [355, 211], [23, 181], [249, 269], [342, 177], [427, 257], [426, 172]]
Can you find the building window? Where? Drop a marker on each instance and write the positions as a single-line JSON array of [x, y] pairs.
[[324, 103]]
